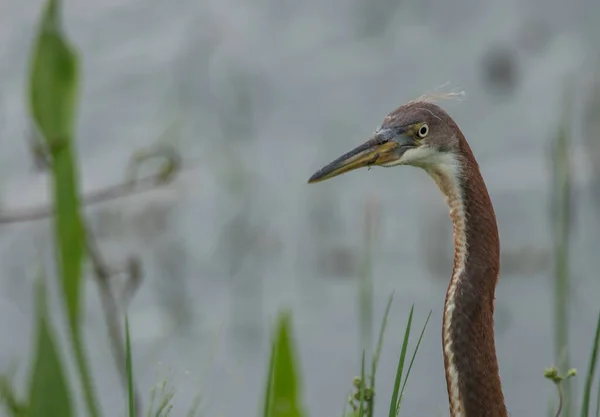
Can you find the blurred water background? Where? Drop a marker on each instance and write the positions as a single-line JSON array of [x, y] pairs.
[[259, 94]]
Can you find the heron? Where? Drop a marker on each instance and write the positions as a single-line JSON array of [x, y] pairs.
[[421, 134]]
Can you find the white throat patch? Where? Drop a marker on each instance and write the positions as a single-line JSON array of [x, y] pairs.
[[445, 169]]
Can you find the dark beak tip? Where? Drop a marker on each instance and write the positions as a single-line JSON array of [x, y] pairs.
[[313, 178], [318, 176]]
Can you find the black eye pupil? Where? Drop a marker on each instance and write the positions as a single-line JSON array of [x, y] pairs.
[[423, 131]]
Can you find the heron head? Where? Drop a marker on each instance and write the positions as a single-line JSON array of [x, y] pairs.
[[419, 133]]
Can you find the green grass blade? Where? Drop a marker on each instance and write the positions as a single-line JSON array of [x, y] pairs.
[[53, 85], [380, 339], [48, 390], [377, 354], [562, 222], [412, 360], [165, 392], [284, 390], [129, 368], [591, 372], [394, 401], [269, 386]]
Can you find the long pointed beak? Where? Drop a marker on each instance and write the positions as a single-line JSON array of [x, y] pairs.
[[375, 151]]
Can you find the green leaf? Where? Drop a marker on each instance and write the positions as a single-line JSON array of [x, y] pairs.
[[129, 368], [269, 387], [53, 78], [282, 398], [48, 391], [53, 88], [412, 360], [591, 372], [377, 353], [394, 402], [69, 232]]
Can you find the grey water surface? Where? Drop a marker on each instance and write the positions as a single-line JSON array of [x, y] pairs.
[[257, 95]]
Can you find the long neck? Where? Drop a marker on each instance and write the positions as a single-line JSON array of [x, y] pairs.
[[473, 381]]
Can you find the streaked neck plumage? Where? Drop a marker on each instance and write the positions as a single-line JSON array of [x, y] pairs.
[[474, 387]]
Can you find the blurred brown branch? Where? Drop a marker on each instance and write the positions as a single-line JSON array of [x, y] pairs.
[[170, 168]]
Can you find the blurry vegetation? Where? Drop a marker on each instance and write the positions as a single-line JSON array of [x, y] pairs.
[[591, 132], [53, 97], [283, 397], [365, 384], [562, 221], [365, 282]]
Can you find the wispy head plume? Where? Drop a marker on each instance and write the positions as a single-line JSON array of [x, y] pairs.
[[436, 96]]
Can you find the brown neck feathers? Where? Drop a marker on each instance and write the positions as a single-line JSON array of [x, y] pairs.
[[472, 377]]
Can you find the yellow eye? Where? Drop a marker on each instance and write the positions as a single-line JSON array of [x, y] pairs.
[[423, 130]]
